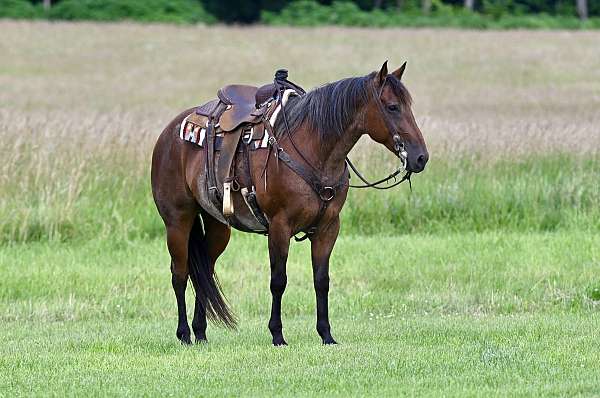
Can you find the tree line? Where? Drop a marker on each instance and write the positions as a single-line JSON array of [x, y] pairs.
[[253, 11]]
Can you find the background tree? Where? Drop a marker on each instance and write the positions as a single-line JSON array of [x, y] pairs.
[[426, 6], [582, 9]]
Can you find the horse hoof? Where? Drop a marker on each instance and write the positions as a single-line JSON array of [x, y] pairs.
[[279, 342], [201, 340], [184, 338], [185, 341], [329, 341]]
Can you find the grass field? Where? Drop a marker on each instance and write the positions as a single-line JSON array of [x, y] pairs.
[[484, 281], [475, 314]]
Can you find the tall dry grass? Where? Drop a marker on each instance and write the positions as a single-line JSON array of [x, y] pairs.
[[81, 105]]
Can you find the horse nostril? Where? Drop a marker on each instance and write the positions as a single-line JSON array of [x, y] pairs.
[[421, 160]]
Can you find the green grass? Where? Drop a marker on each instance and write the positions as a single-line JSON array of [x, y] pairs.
[[538, 193], [459, 314]]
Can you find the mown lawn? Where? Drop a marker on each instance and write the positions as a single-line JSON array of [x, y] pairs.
[[465, 314]]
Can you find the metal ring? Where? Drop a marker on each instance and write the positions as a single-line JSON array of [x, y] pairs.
[[327, 193], [398, 143]]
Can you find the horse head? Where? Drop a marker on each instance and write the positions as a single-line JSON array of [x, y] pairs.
[[389, 119]]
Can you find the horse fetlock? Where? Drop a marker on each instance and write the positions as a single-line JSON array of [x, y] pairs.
[[323, 330], [199, 331], [275, 327]]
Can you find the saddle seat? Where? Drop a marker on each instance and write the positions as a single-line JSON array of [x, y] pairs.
[[241, 106]]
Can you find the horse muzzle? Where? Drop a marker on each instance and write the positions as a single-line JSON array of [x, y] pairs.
[[416, 161]]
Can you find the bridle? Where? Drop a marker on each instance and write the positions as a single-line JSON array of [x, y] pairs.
[[327, 192], [399, 147]]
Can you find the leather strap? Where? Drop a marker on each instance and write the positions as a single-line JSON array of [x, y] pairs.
[[325, 192], [213, 192], [227, 153]]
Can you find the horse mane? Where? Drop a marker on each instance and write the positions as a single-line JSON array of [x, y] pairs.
[[330, 109]]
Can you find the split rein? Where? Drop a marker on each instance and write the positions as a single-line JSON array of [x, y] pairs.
[[377, 184]]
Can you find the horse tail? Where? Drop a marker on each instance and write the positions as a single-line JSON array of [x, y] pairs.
[[205, 282]]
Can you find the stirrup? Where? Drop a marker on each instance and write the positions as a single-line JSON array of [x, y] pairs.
[[227, 202]]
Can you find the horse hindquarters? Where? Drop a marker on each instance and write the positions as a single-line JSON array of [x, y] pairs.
[[192, 252], [178, 211]]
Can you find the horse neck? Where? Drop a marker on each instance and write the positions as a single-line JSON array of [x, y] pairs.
[[328, 156]]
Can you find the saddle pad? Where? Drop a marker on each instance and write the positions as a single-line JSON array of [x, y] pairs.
[[196, 134], [192, 129]]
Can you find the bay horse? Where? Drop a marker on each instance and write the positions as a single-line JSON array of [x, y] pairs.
[[317, 131]]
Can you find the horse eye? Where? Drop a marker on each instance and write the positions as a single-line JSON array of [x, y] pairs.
[[393, 108]]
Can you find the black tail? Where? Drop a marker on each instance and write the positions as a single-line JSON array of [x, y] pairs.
[[205, 282]]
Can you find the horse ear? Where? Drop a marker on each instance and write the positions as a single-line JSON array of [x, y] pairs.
[[383, 72], [400, 71]]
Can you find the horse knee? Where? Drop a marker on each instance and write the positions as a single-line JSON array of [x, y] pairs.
[[278, 283]]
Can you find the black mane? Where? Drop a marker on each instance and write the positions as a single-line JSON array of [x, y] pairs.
[[331, 108]]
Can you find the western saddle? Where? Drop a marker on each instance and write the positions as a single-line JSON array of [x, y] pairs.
[[237, 108]]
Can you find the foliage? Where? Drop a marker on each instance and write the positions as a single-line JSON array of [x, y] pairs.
[[241, 11], [19, 9], [488, 14], [495, 16], [177, 11]]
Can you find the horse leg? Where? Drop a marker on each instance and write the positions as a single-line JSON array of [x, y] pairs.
[[177, 242], [279, 243], [217, 237], [321, 248]]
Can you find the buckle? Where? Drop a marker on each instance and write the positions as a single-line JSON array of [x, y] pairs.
[[250, 135], [327, 193]]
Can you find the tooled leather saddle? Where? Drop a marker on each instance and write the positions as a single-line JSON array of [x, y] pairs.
[[240, 115]]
